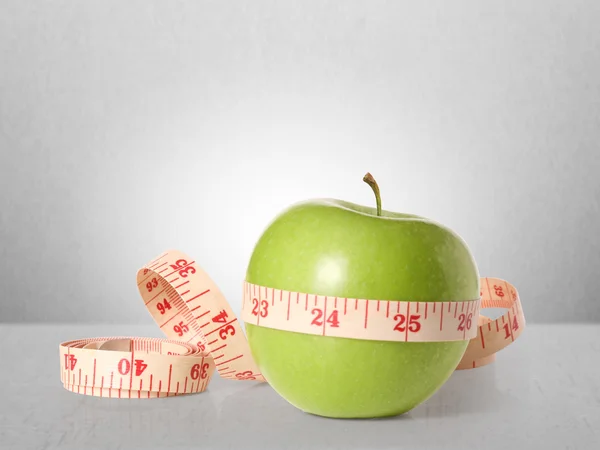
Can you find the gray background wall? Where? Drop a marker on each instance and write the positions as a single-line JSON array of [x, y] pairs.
[[127, 128]]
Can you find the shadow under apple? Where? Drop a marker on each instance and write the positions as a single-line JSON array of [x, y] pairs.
[[268, 420]]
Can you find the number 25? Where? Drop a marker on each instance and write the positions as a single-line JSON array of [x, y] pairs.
[[413, 323]]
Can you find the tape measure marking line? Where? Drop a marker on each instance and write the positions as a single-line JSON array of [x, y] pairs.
[[509, 327], [199, 295], [156, 260], [367, 320], [132, 350]]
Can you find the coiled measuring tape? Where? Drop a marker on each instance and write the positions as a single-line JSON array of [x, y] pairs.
[[203, 335]]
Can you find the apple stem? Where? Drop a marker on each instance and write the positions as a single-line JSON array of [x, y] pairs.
[[368, 178]]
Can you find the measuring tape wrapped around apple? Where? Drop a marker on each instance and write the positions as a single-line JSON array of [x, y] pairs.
[[324, 350]]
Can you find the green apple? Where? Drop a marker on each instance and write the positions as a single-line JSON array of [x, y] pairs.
[[336, 248]]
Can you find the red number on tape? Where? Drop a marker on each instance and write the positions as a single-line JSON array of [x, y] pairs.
[[182, 264], [465, 321], [203, 373], [221, 317], [317, 320], [162, 307], [124, 366], [413, 323], [151, 284], [184, 272], [181, 328], [199, 372], [332, 319], [195, 372], [140, 367], [247, 375], [70, 361], [228, 330], [264, 308]]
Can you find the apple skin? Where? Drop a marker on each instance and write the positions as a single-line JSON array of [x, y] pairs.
[[337, 248]]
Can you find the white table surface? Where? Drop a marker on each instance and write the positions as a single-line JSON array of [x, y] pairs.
[[542, 391]]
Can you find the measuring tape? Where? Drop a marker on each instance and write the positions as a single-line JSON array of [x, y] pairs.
[[203, 335], [132, 367]]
